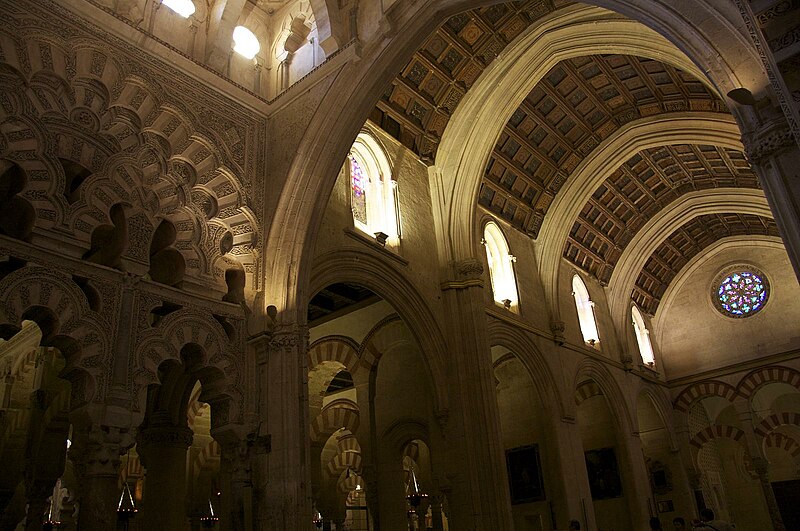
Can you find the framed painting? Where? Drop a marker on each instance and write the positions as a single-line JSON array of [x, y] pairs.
[[525, 474], [604, 478]]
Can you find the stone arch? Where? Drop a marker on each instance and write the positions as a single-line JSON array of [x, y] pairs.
[[750, 383], [402, 432], [216, 366], [701, 390], [766, 426], [712, 433], [386, 334], [784, 442], [341, 413], [596, 372], [661, 226], [79, 333], [386, 280], [587, 390], [347, 104], [539, 370], [663, 407], [334, 348]]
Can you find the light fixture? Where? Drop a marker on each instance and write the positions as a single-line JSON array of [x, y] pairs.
[[743, 96], [208, 522], [184, 8], [381, 237], [245, 43]]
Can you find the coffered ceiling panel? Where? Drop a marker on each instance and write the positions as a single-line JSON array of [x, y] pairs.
[[578, 104], [686, 242], [416, 107], [641, 188]]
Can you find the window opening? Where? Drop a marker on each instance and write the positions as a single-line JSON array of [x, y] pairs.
[[643, 338], [501, 267], [585, 308]]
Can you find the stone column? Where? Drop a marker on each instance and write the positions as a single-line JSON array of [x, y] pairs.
[[573, 497], [392, 494], [436, 513], [754, 450], [282, 476], [639, 493], [236, 511], [775, 157], [480, 498], [162, 450], [95, 453]]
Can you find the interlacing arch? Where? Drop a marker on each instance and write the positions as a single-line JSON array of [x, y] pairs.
[[62, 312], [701, 390], [88, 137], [215, 364], [767, 375]]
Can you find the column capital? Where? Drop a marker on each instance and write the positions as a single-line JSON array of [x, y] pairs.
[[161, 436], [771, 138], [97, 451], [466, 273]]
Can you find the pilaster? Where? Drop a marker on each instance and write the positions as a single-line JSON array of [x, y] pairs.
[[480, 498], [282, 477]]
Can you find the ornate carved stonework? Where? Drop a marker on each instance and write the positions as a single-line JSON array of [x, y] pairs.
[[768, 141], [470, 269]]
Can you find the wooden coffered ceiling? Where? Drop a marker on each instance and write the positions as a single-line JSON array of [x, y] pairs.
[[578, 104], [638, 190], [685, 243], [417, 106]]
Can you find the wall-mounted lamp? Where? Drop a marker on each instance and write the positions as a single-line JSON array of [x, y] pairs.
[[381, 237], [743, 96]]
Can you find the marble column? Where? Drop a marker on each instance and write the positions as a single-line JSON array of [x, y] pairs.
[[281, 476], [162, 450], [480, 498], [95, 453]]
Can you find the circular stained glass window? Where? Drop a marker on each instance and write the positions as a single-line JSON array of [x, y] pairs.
[[740, 291]]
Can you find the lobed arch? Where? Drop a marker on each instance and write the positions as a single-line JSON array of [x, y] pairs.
[[360, 266], [754, 380], [523, 349], [660, 227], [346, 105], [213, 363], [62, 312], [701, 390]]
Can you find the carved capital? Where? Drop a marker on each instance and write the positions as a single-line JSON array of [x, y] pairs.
[[557, 328], [469, 269], [768, 141], [97, 451], [289, 337]]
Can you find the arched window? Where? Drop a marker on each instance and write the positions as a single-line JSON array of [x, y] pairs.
[[373, 192], [643, 337], [245, 42], [184, 8], [585, 308], [501, 267]]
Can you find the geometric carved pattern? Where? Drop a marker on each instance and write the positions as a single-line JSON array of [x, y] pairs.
[[701, 390], [686, 242], [578, 104], [638, 190], [418, 104]]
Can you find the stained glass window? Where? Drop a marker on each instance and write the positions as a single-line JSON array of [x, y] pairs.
[[741, 292], [358, 196]]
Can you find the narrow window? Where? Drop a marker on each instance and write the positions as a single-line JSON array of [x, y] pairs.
[[501, 267], [184, 8], [643, 337], [585, 308], [245, 43], [373, 192]]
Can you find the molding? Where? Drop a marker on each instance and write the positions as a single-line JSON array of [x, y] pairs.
[[375, 246], [727, 370]]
